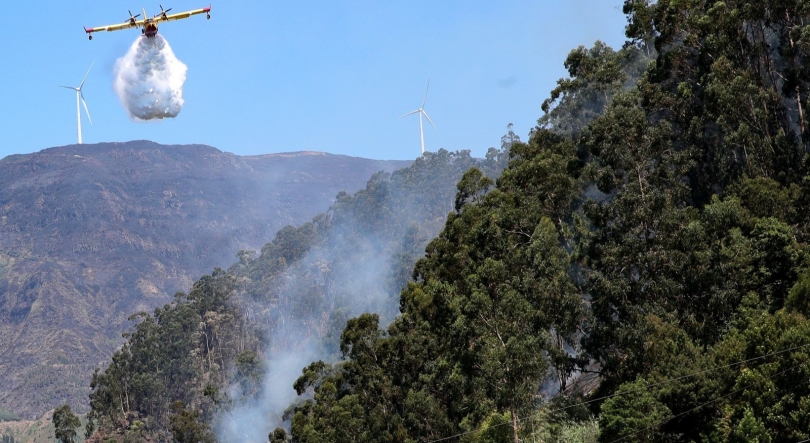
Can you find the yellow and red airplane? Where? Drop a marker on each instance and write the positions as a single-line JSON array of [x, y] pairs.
[[149, 25]]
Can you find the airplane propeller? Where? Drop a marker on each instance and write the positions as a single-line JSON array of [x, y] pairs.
[[162, 12], [132, 17]]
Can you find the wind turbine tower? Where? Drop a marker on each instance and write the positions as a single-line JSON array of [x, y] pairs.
[[80, 97], [422, 112]]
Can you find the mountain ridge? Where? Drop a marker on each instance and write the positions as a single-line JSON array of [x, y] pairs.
[[92, 233]]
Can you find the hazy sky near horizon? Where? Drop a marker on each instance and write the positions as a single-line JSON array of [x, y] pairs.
[[279, 76]]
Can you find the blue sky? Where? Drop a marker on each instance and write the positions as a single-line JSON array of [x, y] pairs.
[[291, 75]]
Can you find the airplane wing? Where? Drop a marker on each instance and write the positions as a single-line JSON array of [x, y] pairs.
[[110, 28], [182, 15]]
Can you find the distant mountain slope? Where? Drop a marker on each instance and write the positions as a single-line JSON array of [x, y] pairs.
[[91, 233]]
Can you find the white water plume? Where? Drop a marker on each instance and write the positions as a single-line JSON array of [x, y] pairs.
[[149, 79]]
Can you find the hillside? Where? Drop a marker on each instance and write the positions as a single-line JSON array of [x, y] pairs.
[[654, 234], [231, 347], [91, 234]]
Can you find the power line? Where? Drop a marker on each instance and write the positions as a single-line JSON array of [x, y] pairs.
[[679, 378], [463, 434], [730, 365]]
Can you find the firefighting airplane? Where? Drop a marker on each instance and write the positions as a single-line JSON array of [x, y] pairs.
[[149, 26]]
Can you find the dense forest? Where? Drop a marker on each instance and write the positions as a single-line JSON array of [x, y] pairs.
[[638, 272]]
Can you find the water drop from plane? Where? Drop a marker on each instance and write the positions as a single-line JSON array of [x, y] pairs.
[[149, 80]]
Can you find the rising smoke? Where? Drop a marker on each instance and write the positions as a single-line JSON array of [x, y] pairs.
[[149, 80], [353, 268], [333, 282]]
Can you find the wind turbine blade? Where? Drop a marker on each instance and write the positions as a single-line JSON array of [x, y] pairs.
[[431, 122], [85, 108], [426, 91], [412, 112], [85, 75], [68, 87]]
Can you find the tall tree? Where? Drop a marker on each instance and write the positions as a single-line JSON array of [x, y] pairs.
[[65, 423], [186, 427]]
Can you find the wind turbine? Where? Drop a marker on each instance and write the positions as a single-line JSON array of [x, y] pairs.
[[80, 97], [421, 112]]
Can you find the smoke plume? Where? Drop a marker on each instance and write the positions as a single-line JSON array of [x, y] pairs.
[[338, 280], [363, 254], [149, 79]]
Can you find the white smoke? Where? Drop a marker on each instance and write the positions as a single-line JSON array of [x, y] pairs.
[[149, 79], [331, 283], [252, 421]]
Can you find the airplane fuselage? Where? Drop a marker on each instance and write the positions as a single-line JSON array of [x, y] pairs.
[[150, 29]]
